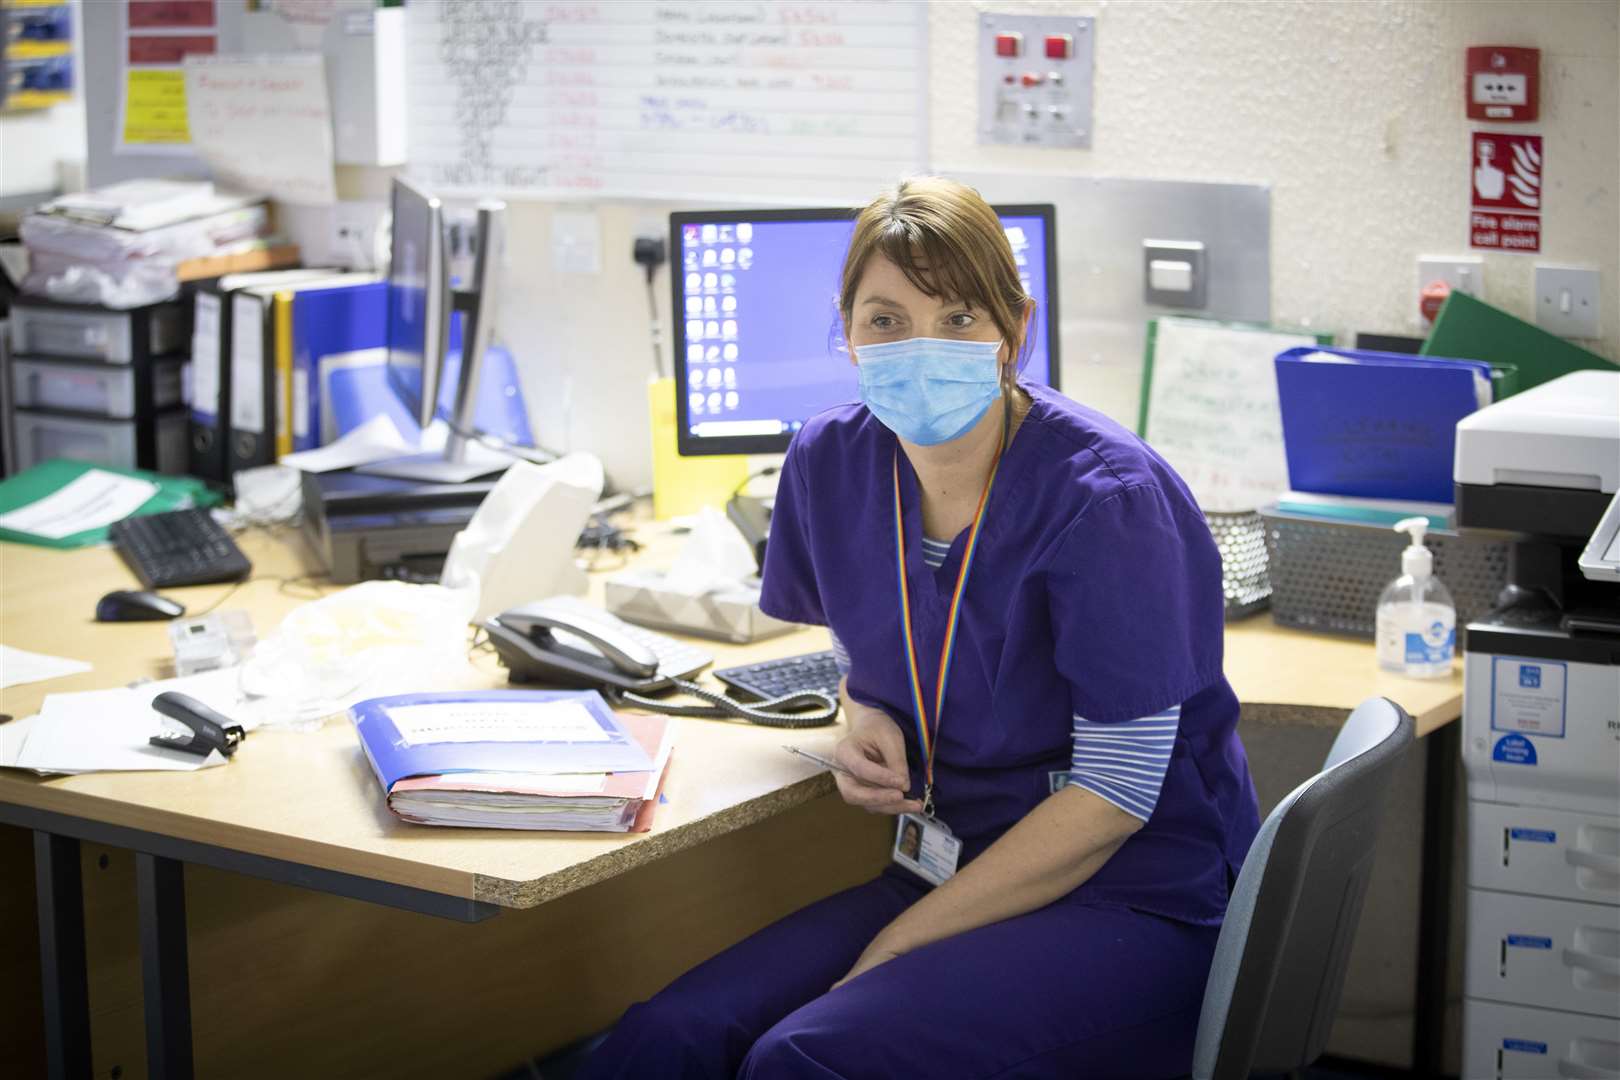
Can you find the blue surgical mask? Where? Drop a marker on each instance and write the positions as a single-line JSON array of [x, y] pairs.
[[929, 390]]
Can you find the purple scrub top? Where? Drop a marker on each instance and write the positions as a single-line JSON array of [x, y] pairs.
[[1096, 592]]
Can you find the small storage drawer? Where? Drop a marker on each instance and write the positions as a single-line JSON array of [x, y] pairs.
[[103, 389], [1557, 853], [91, 333], [159, 444], [1527, 950], [1514, 1042]]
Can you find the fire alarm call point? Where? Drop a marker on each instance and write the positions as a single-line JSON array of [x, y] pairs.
[[1503, 83]]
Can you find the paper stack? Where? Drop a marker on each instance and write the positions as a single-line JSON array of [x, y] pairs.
[[507, 759], [122, 246]]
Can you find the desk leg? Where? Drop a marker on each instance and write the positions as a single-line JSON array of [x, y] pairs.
[[60, 894], [1443, 753], [160, 885]]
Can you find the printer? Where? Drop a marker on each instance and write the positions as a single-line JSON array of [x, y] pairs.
[[1541, 735], [364, 527]]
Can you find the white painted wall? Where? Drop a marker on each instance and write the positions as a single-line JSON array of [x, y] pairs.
[[1351, 109]]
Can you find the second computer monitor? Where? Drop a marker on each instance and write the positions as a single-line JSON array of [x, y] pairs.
[[756, 319]]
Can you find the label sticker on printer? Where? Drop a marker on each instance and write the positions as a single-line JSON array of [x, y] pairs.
[[1514, 750], [1525, 1046], [1528, 696]]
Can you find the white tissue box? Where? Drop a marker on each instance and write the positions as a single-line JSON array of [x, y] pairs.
[[733, 615]]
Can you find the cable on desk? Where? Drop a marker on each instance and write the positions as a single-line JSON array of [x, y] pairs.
[[769, 470], [768, 713]]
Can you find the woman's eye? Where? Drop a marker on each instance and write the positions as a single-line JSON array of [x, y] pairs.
[[884, 322], [962, 320]]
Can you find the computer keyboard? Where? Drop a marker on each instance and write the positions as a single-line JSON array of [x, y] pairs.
[[179, 547], [786, 675]]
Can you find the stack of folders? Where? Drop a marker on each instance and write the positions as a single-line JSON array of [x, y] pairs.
[[515, 759]]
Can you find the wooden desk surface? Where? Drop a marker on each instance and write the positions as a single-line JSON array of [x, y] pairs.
[[312, 798]]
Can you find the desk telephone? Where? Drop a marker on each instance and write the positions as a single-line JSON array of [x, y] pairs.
[[568, 642]]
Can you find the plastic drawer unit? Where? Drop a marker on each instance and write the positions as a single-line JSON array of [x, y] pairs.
[[84, 332], [159, 445], [1514, 1042], [108, 390]]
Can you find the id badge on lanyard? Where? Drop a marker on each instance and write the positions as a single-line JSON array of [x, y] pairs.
[[926, 847], [924, 844]]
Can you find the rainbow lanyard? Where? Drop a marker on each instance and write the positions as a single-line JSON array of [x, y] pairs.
[[924, 739]]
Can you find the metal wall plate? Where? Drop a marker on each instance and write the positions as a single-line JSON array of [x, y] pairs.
[[1031, 98]]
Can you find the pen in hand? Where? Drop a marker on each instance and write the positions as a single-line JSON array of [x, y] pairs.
[[819, 760]]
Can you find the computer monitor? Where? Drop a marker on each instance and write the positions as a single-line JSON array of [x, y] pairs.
[[756, 319], [422, 301]]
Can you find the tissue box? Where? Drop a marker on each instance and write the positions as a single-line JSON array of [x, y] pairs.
[[730, 615]]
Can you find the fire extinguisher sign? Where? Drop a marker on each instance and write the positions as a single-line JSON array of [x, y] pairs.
[[1505, 182]]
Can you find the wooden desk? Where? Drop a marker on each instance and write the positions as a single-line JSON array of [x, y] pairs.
[[305, 809]]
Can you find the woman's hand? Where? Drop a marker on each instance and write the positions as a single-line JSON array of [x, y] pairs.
[[875, 752]]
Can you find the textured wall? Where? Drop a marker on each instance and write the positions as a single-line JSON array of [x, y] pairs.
[[1353, 111]]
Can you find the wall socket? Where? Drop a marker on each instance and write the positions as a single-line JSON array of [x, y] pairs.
[[1567, 301], [1464, 273], [359, 238]]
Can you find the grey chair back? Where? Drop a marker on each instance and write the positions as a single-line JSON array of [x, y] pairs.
[[1280, 961]]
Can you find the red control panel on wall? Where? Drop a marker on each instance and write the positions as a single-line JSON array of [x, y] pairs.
[[1503, 83]]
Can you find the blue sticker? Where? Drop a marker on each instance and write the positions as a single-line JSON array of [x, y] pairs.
[[1524, 1046], [1058, 780], [1530, 676], [1529, 941], [1435, 645], [1515, 750], [1534, 836]]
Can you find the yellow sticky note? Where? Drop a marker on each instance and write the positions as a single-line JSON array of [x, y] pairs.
[[155, 107]]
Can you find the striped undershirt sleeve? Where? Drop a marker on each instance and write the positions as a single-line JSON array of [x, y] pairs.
[[840, 655], [1125, 762]]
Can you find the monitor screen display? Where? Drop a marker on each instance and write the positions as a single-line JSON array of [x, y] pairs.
[[757, 325]]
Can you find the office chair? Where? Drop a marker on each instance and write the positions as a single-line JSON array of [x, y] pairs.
[[1280, 960]]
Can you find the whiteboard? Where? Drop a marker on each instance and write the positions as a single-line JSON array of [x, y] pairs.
[[719, 101], [1209, 407]]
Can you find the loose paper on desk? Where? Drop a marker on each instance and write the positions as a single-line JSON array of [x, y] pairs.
[[264, 123], [18, 666], [102, 730], [92, 500], [378, 439]]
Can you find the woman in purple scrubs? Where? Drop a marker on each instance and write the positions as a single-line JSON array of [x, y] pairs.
[[1030, 605]]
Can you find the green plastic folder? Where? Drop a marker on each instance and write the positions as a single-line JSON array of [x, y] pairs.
[[49, 477], [1473, 330]]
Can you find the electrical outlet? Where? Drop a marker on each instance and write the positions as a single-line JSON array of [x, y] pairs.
[[360, 235], [1567, 301], [1464, 273]]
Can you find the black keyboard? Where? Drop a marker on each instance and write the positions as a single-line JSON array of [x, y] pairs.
[[787, 675], [179, 547]]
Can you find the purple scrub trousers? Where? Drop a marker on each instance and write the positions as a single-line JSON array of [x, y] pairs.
[[1070, 990]]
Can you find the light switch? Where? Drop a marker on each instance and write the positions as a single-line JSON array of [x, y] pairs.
[[1170, 275], [1174, 273], [1567, 301]]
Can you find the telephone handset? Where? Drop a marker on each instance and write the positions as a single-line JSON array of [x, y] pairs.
[[567, 642]]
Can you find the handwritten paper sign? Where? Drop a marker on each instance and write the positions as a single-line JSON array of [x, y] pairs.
[[264, 123], [1210, 409], [705, 100]]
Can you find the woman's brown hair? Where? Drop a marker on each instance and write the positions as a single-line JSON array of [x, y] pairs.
[[947, 242]]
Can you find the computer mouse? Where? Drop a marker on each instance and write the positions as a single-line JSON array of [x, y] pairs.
[[126, 605]]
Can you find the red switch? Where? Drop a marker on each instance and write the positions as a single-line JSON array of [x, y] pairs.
[[1032, 79], [1059, 46], [1009, 44]]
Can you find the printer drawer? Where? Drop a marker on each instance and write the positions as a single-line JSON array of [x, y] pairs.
[[1514, 1042], [1557, 853], [1526, 950]]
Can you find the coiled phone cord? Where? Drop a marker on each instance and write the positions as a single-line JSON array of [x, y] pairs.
[[767, 713]]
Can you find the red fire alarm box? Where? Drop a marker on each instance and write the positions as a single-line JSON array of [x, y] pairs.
[[1503, 83]]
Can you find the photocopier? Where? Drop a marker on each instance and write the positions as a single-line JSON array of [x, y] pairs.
[[1541, 736]]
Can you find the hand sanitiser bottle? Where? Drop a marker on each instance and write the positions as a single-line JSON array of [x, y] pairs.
[[1417, 621]]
